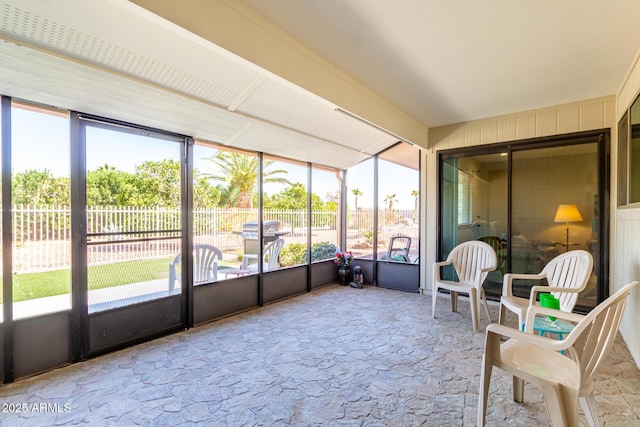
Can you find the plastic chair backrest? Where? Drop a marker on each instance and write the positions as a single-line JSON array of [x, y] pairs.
[[205, 263], [272, 254], [205, 266], [594, 335], [401, 251], [569, 270], [470, 258]]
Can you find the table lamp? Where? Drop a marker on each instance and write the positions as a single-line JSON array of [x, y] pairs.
[[567, 213]]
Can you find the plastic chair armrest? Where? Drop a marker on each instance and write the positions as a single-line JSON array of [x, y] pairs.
[[563, 290], [513, 276], [436, 268], [526, 337], [507, 281], [535, 290]]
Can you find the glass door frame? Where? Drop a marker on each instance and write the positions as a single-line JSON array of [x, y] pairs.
[[88, 328], [601, 136]]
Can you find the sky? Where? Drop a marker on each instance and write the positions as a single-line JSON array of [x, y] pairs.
[[41, 141]]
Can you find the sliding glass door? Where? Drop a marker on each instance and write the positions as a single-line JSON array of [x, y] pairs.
[[474, 207], [530, 201], [555, 208]]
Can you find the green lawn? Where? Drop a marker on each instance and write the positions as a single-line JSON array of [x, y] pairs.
[[38, 285]]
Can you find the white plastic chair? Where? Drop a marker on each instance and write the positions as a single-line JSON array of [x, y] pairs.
[[205, 266], [567, 276], [270, 257], [562, 380], [472, 262]]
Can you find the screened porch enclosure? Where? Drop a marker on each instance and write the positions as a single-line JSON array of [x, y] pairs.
[[98, 241]]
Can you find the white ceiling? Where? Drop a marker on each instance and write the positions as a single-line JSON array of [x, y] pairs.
[[114, 59], [441, 62], [446, 62]]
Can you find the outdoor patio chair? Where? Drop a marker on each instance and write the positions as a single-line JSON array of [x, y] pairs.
[[567, 275], [399, 247], [270, 257], [205, 266], [472, 261], [562, 380]]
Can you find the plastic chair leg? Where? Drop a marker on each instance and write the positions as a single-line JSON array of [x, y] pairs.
[[501, 314], [518, 389], [475, 309], [483, 392], [588, 404], [561, 405], [486, 304], [433, 302]]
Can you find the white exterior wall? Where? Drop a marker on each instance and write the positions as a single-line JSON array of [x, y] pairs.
[[625, 224]]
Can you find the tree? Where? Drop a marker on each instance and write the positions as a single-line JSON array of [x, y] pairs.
[[204, 194], [292, 198], [356, 192], [107, 186], [416, 196], [390, 198], [240, 173], [158, 183], [39, 187]]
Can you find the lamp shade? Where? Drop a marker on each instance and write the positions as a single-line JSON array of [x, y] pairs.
[[568, 213]]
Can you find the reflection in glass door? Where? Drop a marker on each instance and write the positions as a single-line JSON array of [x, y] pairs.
[[133, 184], [474, 207], [545, 183], [518, 208]]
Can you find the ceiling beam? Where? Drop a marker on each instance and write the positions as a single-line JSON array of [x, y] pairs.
[[233, 26]]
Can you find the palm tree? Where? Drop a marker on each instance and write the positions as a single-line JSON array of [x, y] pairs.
[[240, 172], [416, 195], [390, 198], [356, 192]]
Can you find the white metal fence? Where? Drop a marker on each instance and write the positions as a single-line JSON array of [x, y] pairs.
[[42, 234]]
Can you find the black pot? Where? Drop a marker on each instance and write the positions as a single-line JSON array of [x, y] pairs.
[[344, 274]]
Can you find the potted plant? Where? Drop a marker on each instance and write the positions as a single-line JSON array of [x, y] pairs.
[[343, 261]]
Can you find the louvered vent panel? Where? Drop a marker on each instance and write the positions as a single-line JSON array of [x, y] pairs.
[[26, 26], [267, 112]]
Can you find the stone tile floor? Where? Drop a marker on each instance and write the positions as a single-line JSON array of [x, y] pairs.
[[334, 357]]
